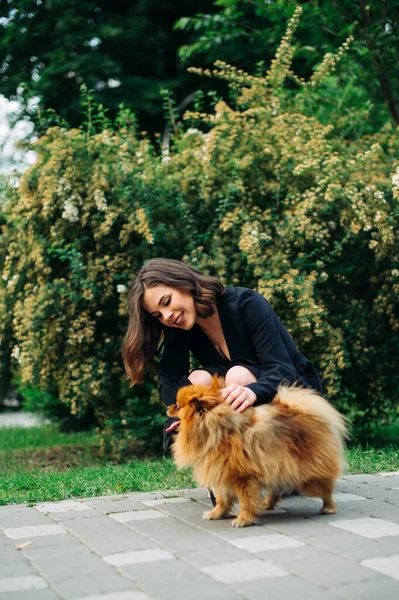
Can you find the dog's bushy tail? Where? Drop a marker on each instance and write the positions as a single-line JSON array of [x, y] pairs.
[[311, 402]]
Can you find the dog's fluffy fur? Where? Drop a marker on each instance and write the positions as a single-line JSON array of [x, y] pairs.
[[296, 442]]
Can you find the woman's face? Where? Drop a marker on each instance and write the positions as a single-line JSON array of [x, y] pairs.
[[173, 308]]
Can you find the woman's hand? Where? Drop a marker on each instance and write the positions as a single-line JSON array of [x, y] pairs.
[[238, 396]]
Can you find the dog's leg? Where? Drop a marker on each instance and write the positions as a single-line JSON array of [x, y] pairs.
[[322, 488], [249, 494], [327, 487], [271, 500], [329, 506], [224, 501]]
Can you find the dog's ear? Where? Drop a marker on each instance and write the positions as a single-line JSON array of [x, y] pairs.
[[198, 405]]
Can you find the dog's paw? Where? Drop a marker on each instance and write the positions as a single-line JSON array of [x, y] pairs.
[[211, 515], [331, 510], [207, 516], [238, 522], [268, 506]]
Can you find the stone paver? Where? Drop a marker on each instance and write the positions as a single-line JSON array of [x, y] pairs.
[[116, 505], [78, 587], [267, 542], [118, 596], [244, 570], [65, 506], [387, 565], [156, 546], [39, 594], [19, 516], [290, 587], [15, 584], [140, 556], [138, 515], [177, 580], [17, 533], [369, 527]]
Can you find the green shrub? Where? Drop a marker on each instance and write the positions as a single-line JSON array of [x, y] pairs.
[[77, 228], [51, 408], [259, 193]]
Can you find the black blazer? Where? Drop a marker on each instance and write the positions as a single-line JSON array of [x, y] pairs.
[[255, 338]]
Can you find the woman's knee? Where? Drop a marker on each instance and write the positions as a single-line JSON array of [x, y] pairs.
[[240, 376], [200, 377]]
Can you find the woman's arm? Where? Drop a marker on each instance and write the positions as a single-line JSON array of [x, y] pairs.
[[174, 364], [266, 333]]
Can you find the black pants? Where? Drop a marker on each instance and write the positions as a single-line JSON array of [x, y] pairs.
[[168, 436]]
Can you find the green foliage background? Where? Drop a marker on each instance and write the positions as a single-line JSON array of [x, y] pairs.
[[125, 51], [257, 191], [128, 51]]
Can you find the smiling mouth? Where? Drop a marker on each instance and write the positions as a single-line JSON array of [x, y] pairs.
[[180, 319]]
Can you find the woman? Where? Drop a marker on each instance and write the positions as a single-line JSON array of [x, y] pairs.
[[231, 331]]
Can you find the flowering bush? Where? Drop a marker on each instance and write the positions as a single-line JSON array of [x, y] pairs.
[[77, 228], [259, 193]]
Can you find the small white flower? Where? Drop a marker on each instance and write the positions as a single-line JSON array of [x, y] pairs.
[[13, 279], [121, 289], [100, 200], [71, 212], [114, 83], [395, 272], [16, 353]]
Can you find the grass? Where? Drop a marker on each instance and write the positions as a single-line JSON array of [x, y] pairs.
[[135, 476], [42, 464], [372, 460], [41, 437]]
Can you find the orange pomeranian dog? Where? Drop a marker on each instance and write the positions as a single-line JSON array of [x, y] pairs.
[[296, 442]]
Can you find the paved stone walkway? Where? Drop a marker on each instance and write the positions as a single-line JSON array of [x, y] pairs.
[[156, 546]]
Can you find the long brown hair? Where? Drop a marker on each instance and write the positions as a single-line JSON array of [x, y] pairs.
[[144, 331]]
